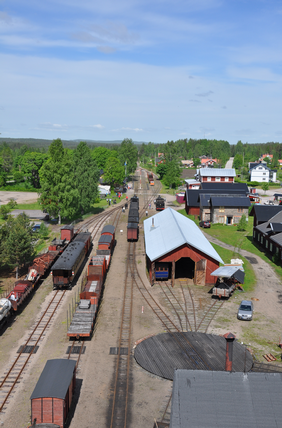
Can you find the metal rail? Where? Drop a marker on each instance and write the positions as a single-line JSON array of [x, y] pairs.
[[17, 368], [119, 411]]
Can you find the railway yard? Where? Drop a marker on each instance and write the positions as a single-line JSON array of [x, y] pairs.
[[112, 388]]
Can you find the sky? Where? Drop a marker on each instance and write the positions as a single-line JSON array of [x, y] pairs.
[[157, 70]]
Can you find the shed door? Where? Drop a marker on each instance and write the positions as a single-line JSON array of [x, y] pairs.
[[200, 272]]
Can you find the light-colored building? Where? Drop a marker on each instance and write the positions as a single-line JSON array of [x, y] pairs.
[[262, 174], [219, 175]]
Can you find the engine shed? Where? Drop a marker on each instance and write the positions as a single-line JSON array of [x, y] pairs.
[[175, 245]]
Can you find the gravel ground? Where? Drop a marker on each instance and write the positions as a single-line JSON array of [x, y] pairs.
[[19, 197], [95, 375]]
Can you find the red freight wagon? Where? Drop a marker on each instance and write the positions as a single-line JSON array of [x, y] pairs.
[[105, 242], [132, 231], [52, 395], [109, 230], [91, 289], [19, 293], [67, 233], [97, 266]]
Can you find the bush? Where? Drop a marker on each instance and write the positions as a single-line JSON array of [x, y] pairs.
[[43, 231], [242, 225]]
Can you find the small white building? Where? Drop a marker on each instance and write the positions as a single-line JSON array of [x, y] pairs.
[[262, 174]]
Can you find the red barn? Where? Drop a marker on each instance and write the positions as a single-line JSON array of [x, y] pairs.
[[173, 240], [52, 395]]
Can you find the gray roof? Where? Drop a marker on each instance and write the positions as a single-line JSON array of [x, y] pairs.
[[105, 239], [277, 239], [276, 227], [214, 399], [265, 212], [108, 229], [171, 230], [230, 201], [55, 379], [217, 172], [69, 256], [263, 228], [225, 187], [225, 271]]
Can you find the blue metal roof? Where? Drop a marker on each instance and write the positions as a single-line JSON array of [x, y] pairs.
[[171, 230]]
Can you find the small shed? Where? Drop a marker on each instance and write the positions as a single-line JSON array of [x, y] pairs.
[[175, 240], [52, 395]]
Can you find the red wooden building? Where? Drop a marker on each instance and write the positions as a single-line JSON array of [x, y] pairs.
[[174, 241], [52, 395]]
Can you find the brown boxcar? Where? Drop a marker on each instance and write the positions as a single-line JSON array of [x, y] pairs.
[[109, 230], [52, 395], [97, 266], [67, 233], [106, 242], [132, 231]]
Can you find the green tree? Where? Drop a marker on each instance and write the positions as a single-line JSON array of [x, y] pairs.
[[86, 176], [128, 155], [43, 230], [57, 195], [101, 155], [6, 209], [172, 176], [114, 172], [196, 162], [242, 225], [161, 170], [238, 161], [265, 187], [30, 164], [19, 244]]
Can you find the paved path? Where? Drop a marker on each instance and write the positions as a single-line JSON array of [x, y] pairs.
[[268, 287]]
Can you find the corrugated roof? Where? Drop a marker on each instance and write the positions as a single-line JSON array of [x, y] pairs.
[[55, 379], [217, 172], [225, 271], [171, 230], [202, 398]]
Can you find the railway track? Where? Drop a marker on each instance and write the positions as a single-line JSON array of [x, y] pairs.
[[186, 310], [120, 392], [14, 374]]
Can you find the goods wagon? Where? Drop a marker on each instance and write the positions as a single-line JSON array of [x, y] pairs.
[[160, 203], [133, 219], [36, 271], [52, 396], [67, 266], [151, 179], [106, 242], [83, 320]]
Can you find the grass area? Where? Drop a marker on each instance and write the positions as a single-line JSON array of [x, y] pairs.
[[31, 206], [19, 187]]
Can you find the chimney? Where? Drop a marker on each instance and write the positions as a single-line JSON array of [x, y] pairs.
[[229, 337], [153, 225]]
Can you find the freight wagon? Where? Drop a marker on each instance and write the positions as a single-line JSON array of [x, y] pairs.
[[67, 266], [52, 396], [83, 320], [151, 179], [133, 219], [40, 265]]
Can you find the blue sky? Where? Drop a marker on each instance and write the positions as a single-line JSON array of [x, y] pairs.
[[153, 70]]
